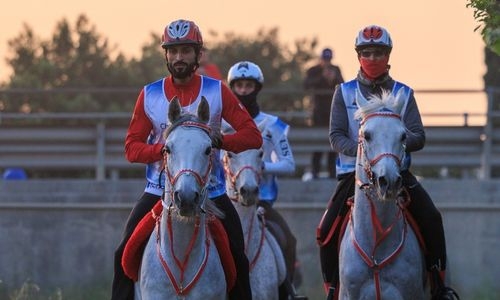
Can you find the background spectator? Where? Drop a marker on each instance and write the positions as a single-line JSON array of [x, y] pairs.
[[321, 80]]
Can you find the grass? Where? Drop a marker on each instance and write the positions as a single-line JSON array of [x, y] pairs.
[[32, 291]]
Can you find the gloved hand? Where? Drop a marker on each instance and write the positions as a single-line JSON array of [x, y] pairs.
[[216, 137]]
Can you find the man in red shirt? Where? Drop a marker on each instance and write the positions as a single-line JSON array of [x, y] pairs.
[[183, 42]]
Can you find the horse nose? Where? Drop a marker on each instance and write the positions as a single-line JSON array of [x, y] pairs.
[[386, 182], [186, 201], [249, 193]]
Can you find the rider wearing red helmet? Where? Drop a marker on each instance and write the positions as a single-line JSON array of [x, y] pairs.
[[373, 46], [182, 41]]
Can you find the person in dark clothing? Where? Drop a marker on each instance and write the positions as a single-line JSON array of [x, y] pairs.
[[373, 47], [144, 142], [321, 80]]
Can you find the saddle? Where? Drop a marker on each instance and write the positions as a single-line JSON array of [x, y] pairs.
[[132, 254]]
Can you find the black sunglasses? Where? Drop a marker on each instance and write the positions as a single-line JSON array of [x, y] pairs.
[[375, 53]]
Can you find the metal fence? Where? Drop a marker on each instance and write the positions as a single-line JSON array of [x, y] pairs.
[[91, 144]]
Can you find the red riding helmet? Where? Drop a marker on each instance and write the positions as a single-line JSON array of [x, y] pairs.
[[373, 36], [181, 32]]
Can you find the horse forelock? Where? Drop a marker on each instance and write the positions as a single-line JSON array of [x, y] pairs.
[[386, 102]]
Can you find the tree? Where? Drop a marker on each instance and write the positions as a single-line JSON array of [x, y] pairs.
[[77, 71], [74, 61], [488, 13], [282, 66]]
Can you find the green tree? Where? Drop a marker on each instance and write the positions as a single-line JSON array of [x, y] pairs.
[[76, 70], [74, 62], [282, 65], [487, 12]]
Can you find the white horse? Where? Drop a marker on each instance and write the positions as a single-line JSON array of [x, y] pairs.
[[180, 260], [380, 257], [267, 264]]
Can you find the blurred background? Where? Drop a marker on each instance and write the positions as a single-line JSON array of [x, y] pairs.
[[70, 74]]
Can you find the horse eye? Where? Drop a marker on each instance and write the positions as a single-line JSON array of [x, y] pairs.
[[403, 137], [261, 154], [208, 150], [166, 149], [230, 154]]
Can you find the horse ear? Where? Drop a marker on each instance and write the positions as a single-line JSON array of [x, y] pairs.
[[360, 99], [174, 110], [204, 110]]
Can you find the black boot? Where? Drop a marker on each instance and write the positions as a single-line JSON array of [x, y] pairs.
[[331, 293], [438, 290], [292, 293]]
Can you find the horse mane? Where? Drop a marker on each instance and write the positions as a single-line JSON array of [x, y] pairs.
[[384, 102]]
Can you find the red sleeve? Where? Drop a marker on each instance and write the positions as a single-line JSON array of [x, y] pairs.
[[247, 135], [136, 148]]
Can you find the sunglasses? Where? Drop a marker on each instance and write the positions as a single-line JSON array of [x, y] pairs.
[[375, 53]]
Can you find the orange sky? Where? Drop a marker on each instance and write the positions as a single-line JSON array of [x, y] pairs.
[[435, 46]]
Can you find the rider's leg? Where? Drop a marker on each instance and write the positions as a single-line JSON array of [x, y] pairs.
[[430, 224], [316, 164], [332, 157], [232, 225], [328, 249], [123, 287], [289, 249]]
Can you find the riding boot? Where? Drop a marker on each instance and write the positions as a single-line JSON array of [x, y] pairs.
[[289, 291], [232, 225], [438, 289], [331, 293], [332, 219]]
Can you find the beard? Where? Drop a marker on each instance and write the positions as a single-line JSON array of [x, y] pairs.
[[182, 70]]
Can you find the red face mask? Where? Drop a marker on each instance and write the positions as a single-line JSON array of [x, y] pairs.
[[373, 68]]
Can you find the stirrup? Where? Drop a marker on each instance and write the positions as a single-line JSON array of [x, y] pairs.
[[331, 293], [445, 293], [292, 293]]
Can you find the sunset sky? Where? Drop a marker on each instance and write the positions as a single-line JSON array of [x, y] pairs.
[[435, 46]]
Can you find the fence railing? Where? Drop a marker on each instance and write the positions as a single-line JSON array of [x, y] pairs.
[[98, 146], [93, 142]]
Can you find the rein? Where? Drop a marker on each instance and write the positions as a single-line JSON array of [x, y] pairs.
[[202, 181], [179, 287], [379, 233]]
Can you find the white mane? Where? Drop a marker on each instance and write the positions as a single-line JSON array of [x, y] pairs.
[[385, 101]]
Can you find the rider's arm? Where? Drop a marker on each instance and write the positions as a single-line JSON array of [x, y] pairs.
[[284, 162], [136, 148], [339, 126], [246, 135], [415, 134]]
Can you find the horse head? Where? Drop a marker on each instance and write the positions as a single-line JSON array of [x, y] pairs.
[[243, 172], [187, 154], [381, 145]]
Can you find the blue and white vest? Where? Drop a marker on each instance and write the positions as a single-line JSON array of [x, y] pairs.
[[156, 108], [274, 143], [346, 164]]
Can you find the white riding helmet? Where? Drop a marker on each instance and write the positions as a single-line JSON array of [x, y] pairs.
[[373, 35], [245, 70]]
